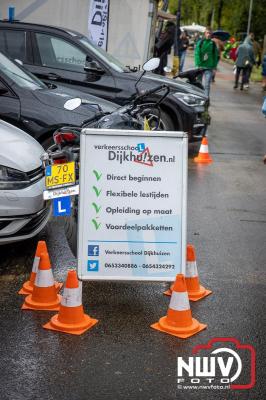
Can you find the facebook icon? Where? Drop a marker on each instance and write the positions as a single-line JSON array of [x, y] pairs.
[[93, 250]]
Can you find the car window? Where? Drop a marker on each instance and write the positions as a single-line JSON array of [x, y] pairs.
[[3, 86], [2, 42], [18, 76], [58, 53], [14, 44], [103, 55]]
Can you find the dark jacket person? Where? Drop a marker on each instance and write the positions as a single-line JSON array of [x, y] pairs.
[[163, 46], [244, 63]]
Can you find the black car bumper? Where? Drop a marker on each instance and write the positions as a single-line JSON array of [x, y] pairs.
[[196, 121]]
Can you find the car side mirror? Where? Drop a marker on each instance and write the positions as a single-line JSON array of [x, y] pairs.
[[92, 66]]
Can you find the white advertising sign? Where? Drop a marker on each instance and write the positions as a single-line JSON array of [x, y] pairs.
[[98, 22], [132, 205]]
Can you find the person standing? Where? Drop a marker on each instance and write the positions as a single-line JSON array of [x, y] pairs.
[[250, 42], [220, 48], [244, 63], [183, 43], [206, 56], [163, 46]]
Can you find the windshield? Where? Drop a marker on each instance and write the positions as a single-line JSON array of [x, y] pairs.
[[107, 58], [18, 76]]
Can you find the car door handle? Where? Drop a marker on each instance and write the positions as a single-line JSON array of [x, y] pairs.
[[52, 76]]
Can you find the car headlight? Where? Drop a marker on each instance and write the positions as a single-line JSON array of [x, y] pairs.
[[191, 100], [12, 178]]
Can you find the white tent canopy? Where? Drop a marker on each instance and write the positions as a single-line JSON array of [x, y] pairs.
[[193, 28]]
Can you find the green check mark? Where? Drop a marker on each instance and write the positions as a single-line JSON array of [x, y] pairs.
[[97, 208], [97, 174], [97, 191], [95, 223]]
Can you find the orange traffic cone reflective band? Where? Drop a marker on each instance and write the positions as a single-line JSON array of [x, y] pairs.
[[178, 321], [195, 290], [203, 156], [71, 317], [44, 295], [27, 287]]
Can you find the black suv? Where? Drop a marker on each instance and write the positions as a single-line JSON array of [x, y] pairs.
[[68, 58]]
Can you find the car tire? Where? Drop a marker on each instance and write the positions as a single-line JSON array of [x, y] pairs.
[[71, 231], [71, 227], [167, 122]]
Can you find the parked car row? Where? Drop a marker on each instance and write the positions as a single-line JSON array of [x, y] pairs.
[[28, 103], [51, 78], [65, 57]]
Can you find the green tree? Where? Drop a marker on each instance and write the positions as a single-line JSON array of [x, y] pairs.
[[229, 15]]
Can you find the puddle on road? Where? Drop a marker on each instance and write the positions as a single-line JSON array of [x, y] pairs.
[[7, 278]]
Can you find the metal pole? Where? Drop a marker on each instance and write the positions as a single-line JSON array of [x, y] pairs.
[[249, 16], [213, 13], [176, 61]]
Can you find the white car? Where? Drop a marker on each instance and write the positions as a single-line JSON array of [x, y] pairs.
[[23, 212]]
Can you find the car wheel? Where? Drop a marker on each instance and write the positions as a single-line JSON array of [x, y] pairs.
[[71, 228], [164, 124]]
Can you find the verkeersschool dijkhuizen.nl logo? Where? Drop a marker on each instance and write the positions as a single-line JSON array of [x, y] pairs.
[[222, 363], [139, 153]]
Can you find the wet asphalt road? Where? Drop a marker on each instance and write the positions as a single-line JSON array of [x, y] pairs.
[[121, 357]]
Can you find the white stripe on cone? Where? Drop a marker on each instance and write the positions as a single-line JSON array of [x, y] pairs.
[[179, 301], [36, 262], [191, 269], [72, 297], [204, 148], [44, 278]]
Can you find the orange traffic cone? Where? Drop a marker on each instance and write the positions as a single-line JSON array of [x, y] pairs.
[[169, 291], [44, 295], [27, 287], [178, 321], [71, 317], [203, 156], [195, 290]]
